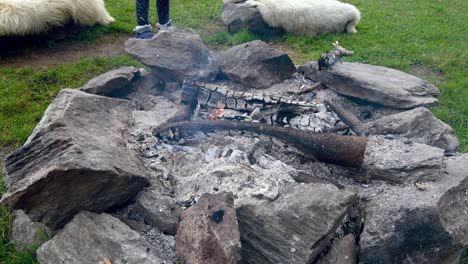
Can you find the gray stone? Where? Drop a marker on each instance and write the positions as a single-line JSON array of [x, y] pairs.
[[399, 162], [378, 85], [76, 159], [113, 82], [405, 224], [25, 233], [256, 64], [159, 210], [342, 252], [240, 16], [175, 54], [418, 125], [296, 227], [91, 238], [208, 231]]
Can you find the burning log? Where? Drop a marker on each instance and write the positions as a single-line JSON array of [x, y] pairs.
[[341, 150], [328, 59]]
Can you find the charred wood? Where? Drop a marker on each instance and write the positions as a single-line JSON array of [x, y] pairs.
[[222, 96], [189, 101], [328, 59], [341, 150], [348, 118]]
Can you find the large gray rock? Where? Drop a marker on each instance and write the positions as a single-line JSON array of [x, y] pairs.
[[418, 125], [176, 54], [240, 16], [256, 64], [378, 85], [208, 231], [113, 82], [159, 210], [25, 233], [91, 238], [343, 251], [419, 225], [400, 162], [296, 227], [76, 159]]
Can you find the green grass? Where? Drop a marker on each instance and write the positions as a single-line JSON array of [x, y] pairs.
[[400, 34], [26, 92]]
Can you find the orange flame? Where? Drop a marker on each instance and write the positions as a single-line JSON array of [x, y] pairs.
[[218, 112]]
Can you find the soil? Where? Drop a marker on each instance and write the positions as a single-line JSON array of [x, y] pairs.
[[37, 53], [434, 76]]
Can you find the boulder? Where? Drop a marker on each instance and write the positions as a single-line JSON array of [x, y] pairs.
[[406, 224], [376, 84], [175, 54], [208, 231], [113, 82], [159, 210], [342, 251], [76, 159], [296, 227], [401, 161], [256, 64], [418, 125], [240, 16], [25, 233], [97, 238]]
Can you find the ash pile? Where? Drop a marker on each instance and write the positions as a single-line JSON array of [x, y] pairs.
[[240, 157]]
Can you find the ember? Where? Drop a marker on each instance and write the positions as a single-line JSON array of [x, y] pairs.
[[219, 112]]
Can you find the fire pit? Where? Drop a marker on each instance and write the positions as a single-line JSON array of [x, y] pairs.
[[240, 158]]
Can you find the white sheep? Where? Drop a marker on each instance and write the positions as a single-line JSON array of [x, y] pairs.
[[26, 17], [307, 17]]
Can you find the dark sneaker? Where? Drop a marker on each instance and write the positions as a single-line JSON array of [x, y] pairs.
[[143, 32], [165, 26]]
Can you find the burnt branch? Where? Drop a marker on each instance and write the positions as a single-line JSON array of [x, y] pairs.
[[332, 148], [348, 118], [309, 89], [328, 59], [189, 101]]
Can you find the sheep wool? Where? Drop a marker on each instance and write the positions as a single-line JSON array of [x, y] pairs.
[[27, 17], [308, 17]]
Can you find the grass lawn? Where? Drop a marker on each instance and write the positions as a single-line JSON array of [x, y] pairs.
[[425, 37]]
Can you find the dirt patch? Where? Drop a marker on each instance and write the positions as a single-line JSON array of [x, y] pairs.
[[65, 52], [434, 76]]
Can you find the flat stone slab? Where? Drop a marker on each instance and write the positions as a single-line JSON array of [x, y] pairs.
[[208, 231], [113, 82], [175, 54], [377, 84], [296, 227], [76, 159], [422, 223], [97, 238], [418, 125], [256, 64], [399, 162]]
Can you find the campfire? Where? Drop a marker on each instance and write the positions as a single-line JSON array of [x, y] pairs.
[[241, 157]]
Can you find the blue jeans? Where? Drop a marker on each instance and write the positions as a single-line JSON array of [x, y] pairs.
[[142, 8]]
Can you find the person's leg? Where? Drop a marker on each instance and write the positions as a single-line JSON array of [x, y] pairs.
[[163, 13], [142, 7], [143, 29]]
